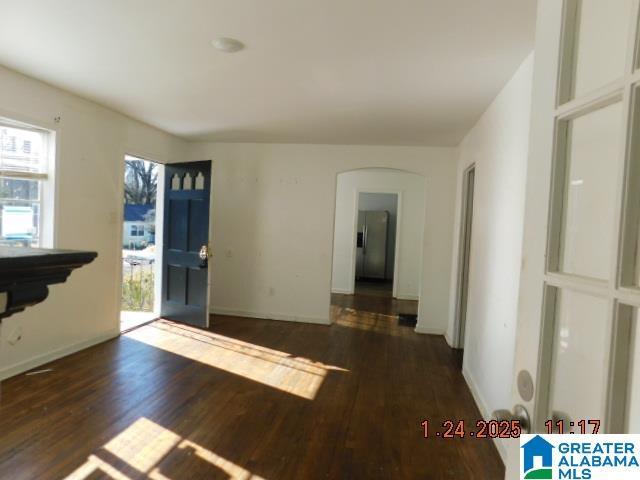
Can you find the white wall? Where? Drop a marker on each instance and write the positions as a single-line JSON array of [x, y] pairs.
[[498, 145], [273, 218], [411, 190], [92, 142], [372, 202]]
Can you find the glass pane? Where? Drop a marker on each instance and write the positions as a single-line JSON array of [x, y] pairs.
[[637, 262], [22, 150], [599, 39], [591, 183], [634, 397], [19, 212], [581, 343], [630, 265], [600, 42]]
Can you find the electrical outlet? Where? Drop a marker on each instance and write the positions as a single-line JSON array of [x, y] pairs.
[[15, 336]]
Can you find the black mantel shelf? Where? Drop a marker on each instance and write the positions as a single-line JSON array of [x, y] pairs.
[[26, 273]]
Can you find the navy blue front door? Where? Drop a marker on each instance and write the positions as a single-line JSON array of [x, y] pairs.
[[185, 259]]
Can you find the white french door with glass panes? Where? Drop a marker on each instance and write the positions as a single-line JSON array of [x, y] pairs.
[[24, 171], [578, 344]]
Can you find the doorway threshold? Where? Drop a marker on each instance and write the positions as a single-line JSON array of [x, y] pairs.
[[130, 320]]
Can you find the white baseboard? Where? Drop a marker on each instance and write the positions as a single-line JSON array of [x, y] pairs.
[[401, 296], [267, 316], [428, 330], [39, 360], [450, 341], [342, 291], [484, 410]]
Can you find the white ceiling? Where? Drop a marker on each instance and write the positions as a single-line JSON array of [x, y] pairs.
[[396, 72]]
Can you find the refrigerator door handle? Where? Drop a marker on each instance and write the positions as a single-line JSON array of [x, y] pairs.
[[364, 239]]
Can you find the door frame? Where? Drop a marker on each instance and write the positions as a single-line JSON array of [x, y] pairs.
[[211, 243], [354, 239], [464, 256], [119, 220]]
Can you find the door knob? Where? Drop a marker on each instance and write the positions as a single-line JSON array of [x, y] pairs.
[[519, 413], [205, 252]]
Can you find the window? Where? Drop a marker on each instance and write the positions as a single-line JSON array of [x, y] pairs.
[[24, 179], [137, 230]]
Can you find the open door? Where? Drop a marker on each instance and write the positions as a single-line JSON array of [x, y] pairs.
[[579, 289], [186, 251], [465, 254]]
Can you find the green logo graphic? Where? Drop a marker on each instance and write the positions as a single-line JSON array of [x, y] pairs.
[[538, 447]]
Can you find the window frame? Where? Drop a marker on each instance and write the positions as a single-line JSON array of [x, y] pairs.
[[137, 230]]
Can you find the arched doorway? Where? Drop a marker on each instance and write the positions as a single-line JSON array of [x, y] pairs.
[[378, 242]]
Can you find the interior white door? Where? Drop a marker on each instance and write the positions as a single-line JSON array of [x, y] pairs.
[[576, 355]]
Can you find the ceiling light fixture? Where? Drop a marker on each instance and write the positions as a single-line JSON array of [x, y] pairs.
[[228, 45]]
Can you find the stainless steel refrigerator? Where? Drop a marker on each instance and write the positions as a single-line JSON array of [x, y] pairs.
[[371, 252]]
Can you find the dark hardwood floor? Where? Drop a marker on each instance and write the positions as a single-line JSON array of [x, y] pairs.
[[373, 288], [247, 399], [371, 307]]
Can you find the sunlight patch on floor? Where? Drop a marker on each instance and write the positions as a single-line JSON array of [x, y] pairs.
[[95, 465], [366, 321], [295, 375], [143, 446]]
